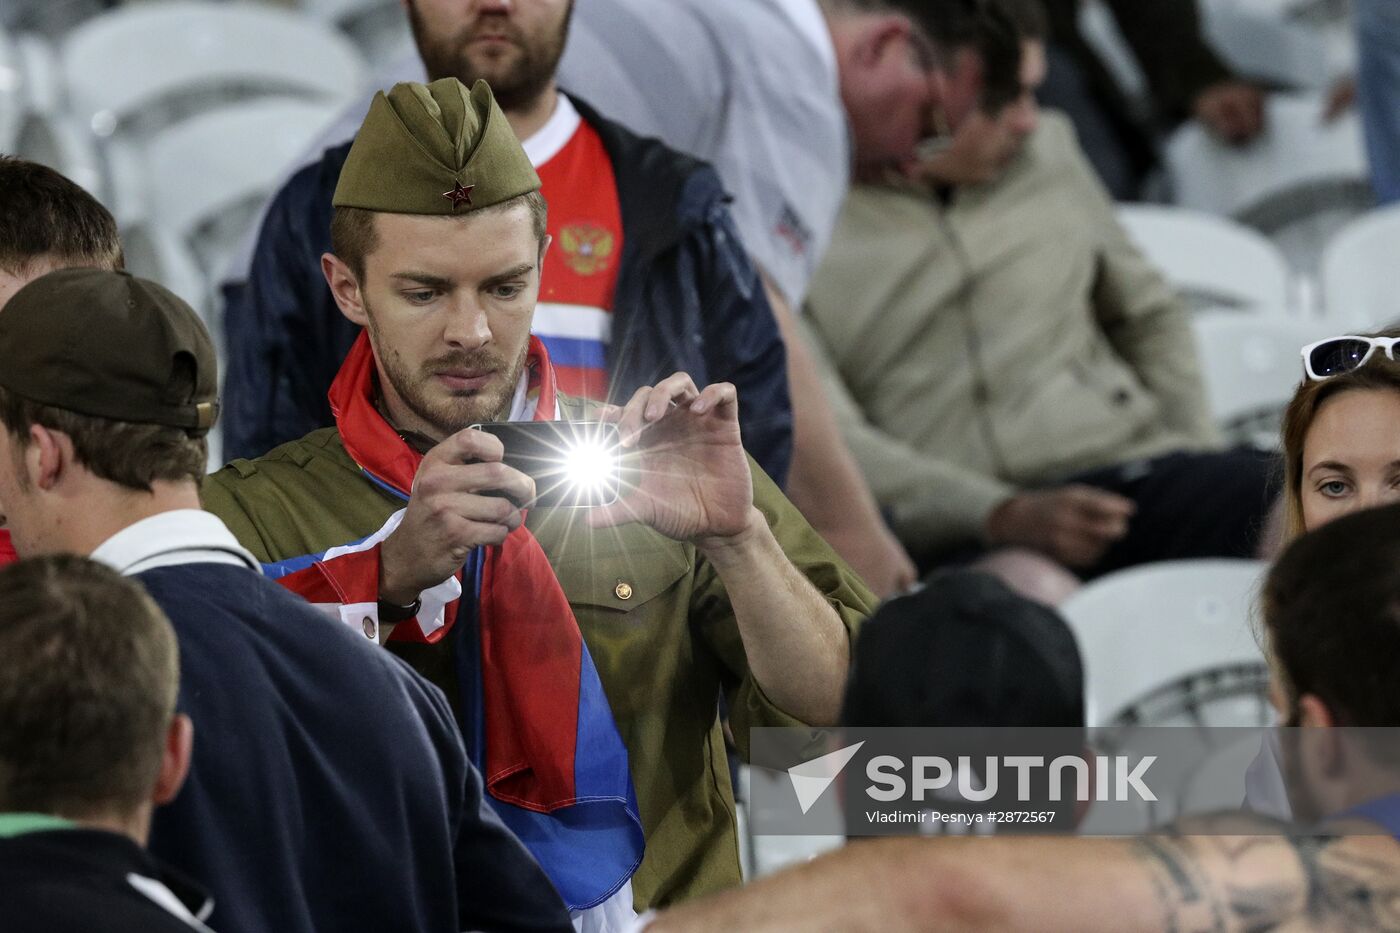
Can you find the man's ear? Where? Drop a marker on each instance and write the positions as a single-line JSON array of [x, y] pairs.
[[1313, 713], [47, 457], [345, 288], [544, 248], [174, 760], [882, 36]]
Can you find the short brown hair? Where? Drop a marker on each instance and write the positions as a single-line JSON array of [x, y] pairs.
[[88, 687], [1378, 373], [1332, 618], [127, 453], [995, 29], [42, 213], [353, 236]]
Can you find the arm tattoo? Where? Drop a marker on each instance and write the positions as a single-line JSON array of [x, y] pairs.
[[1180, 885], [1349, 887], [1260, 883]]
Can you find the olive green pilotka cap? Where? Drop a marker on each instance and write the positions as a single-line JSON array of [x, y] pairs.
[[109, 345], [434, 149]]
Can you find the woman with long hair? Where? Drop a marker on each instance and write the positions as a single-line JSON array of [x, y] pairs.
[[1341, 431]]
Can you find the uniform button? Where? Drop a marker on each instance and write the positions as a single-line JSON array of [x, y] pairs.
[[1122, 397], [369, 627], [623, 590]]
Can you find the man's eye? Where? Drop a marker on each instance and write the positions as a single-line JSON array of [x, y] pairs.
[[508, 292], [420, 296]]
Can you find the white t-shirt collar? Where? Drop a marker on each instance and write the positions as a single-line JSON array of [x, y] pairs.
[[545, 143], [182, 536]]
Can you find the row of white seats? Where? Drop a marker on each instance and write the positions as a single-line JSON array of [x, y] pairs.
[[181, 117], [1219, 263]]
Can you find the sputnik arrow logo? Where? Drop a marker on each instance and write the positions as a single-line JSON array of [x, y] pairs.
[[811, 778]]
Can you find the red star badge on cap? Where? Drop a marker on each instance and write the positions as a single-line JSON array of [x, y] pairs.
[[459, 195]]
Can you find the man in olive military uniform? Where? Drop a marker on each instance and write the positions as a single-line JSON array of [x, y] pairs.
[[406, 524]]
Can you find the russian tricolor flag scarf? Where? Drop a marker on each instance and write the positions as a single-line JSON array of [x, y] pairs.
[[534, 716]]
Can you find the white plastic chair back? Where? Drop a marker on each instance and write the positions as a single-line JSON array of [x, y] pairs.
[[1211, 261], [43, 81], [1298, 167], [59, 142], [1358, 268], [1251, 367], [12, 102], [140, 58], [1269, 40], [212, 163], [1150, 628]]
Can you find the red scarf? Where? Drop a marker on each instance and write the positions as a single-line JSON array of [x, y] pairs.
[[531, 646]]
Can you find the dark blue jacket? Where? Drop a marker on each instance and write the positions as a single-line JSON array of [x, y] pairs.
[[329, 788], [688, 300]]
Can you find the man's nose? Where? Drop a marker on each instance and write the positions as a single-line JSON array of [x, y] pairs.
[[468, 327]]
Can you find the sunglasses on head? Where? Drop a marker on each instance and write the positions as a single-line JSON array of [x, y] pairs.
[[1337, 355]]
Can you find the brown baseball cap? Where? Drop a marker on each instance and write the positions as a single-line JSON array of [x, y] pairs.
[[109, 345]]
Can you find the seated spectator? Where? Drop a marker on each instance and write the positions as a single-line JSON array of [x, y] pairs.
[[853, 89], [1185, 78], [47, 222], [700, 580], [966, 654], [90, 744], [1341, 431], [330, 790], [1008, 368], [1329, 611]]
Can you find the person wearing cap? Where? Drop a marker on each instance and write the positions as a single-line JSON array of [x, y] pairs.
[[701, 578], [329, 789], [47, 222], [651, 272]]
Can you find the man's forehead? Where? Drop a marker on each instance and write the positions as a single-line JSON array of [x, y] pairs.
[[450, 249]]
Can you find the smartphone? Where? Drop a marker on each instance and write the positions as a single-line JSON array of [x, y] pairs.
[[575, 464]]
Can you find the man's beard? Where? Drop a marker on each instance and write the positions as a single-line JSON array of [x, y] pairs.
[[515, 87], [447, 416]]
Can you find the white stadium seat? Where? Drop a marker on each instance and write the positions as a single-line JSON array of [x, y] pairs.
[[1357, 265], [12, 103], [129, 64], [1210, 260], [1300, 165], [209, 165], [1158, 639], [1251, 368]]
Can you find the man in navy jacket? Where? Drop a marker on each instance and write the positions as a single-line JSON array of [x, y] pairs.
[[687, 298], [329, 788]]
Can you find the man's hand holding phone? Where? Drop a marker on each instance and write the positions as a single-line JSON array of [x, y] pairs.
[[463, 496], [691, 478]]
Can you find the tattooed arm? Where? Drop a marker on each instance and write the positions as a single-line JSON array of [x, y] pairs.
[[1180, 883]]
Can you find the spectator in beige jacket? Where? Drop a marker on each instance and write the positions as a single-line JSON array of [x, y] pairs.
[[1009, 370]]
